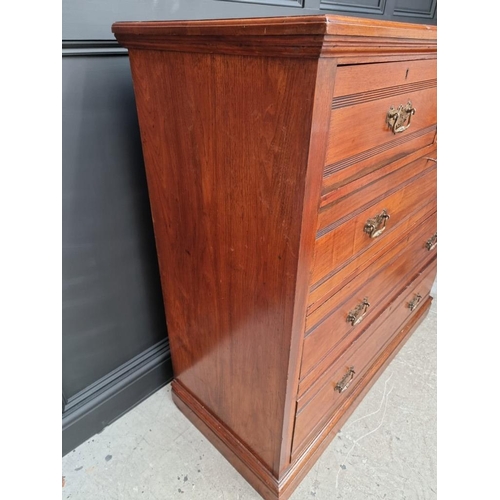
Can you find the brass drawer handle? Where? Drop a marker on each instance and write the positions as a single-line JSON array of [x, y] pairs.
[[432, 242], [396, 118], [414, 302], [358, 313], [343, 384], [376, 226]]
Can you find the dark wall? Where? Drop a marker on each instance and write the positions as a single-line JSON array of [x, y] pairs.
[[115, 347], [113, 319], [92, 20]]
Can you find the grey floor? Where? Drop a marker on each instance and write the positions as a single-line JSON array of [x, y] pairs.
[[386, 450]]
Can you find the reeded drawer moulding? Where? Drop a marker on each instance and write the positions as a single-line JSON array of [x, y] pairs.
[[246, 162]]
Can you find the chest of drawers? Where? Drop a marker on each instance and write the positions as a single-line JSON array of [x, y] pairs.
[[291, 166]]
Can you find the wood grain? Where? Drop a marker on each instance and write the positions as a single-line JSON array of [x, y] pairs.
[[327, 330], [325, 288], [352, 168], [361, 78], [345, 38], [236, 452], [228, 216], [368, 192], [346, 238], [341, 184], [319, 135], [303, 461], [408, 241], [317, 405], [421, 280], [259, 193], [273, 26]]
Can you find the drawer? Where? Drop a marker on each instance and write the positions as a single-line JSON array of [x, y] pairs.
[[325, 288], [359, 128], [346, 238], [328, 331], [368, 193], [358, 122], [337, 175], [341, 184], [364, 78], [319, 403]]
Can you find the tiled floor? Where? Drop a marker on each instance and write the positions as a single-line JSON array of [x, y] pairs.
[[387, 450]]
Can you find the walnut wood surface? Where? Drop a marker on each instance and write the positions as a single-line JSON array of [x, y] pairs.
[[244, 462], [360, 79], [303, 461], [343, 239], [347, 181], [353, 168], [422, 279], [325, 79], [345, 38], [228, 216], [236, 452], [356, 264], [370, 191], [359, 127], [273, 26], [311, 411], [327, 330], [262, 173], [405, 242]]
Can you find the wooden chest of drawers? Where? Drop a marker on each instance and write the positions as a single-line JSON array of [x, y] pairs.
[[291, 165]]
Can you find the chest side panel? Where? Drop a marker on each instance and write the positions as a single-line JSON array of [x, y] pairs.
[[225, 141]]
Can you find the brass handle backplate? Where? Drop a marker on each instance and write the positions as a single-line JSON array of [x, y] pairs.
[[344, 382], [399, 118], [414, 302], [376, 226], [358, 313], [432, 242]]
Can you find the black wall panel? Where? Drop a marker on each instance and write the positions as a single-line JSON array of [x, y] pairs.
[[112, 309], [416, 9], [374, 7]]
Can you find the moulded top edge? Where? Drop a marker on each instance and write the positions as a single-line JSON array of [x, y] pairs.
[[269, 26]]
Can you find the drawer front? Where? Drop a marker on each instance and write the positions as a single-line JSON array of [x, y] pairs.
[[364, 95], [363, 78], [342, 240], [329, 329], [356, 167], [323, 290], [371, 191], [361, 127], [318, 404]]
